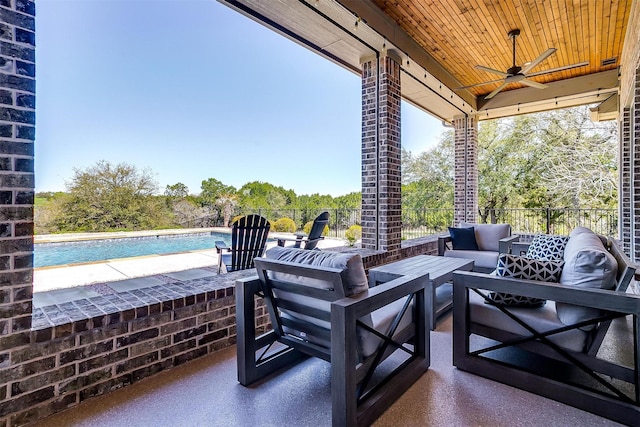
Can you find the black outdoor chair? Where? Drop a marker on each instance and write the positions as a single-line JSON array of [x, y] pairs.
[[248, 241], [315, 234], [320, 305]]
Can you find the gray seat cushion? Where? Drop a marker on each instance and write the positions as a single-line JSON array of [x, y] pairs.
[[483, 259], [542, 319], [488, 235]]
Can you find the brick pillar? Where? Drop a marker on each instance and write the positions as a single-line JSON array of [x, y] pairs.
[[381, 168], [465, 169], [635, 180], [624, 190], [17, 133]]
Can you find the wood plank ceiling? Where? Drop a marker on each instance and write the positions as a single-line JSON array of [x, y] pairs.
[[460, 34]]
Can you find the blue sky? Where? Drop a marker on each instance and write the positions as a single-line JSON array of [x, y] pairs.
[[193, 90]]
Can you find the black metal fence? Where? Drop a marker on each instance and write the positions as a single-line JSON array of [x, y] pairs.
[[425, 222]]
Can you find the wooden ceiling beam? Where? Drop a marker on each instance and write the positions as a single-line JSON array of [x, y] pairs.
[[380, 22], [605, 82]]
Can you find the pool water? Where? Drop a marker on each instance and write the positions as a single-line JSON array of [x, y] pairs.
[[49, 254]]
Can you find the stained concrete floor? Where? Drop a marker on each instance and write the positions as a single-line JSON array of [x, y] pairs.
[[205, 392]]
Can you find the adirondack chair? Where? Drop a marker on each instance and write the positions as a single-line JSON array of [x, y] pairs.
[[554, 353], [315, 234], [248, 240], [320, 305]]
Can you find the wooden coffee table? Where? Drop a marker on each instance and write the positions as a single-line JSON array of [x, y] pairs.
[[440, 271]]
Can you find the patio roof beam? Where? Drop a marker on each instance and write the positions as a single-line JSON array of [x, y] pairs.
[[589, 89], [376, 19]]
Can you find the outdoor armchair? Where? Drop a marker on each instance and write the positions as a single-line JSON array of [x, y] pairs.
[[556, 349], [320, 305]]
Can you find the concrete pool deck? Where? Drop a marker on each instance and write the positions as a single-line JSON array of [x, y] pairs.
[[57, 284]]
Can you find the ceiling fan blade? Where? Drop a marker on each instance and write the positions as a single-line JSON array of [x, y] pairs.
[[479, 84], [491, 70], [553, 70], [531, 65], [532, 84], [495, 92]]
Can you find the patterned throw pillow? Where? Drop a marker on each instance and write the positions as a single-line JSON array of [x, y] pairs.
[[547, 247], [519, 267]]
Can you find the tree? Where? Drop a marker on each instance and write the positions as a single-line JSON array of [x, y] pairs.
[[176, 191], [506, 159], [216, 194], [263, 195], [351, 200], [581, 166], [428, 177], [108, 197], [558, 158]]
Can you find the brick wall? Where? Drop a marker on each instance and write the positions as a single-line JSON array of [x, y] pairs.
[[465, 169], [635, 184], [381, 157], [17, 133], [85, 348], [369, 220], [629, 195], [625, 171], [389, 194]]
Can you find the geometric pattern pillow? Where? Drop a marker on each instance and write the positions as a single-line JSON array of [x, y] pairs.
[[519, 267], [547, 247]]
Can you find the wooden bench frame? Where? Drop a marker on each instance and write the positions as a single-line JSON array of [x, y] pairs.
[[612, 404], [351, 404]]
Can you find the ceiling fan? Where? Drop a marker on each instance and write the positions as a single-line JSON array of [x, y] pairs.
[[517, 74]]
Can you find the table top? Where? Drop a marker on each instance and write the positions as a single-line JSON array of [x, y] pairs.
[[439, 268]]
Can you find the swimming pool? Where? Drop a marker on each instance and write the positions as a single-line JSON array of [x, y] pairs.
[[61, 253]]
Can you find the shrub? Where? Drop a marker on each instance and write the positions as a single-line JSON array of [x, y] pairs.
[[286, 225], [353, 234], [307, 228]]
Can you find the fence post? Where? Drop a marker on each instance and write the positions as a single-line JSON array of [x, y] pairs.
[[548, 220]]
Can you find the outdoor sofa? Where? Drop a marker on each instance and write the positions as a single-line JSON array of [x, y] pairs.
[[480, 242], [539, 323]]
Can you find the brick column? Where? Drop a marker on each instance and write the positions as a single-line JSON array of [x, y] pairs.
[[381, 169], [624, 191], [635, 180], [465, 169], [17, 133]]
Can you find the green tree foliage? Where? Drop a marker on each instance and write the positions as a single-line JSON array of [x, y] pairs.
[[212, 190], [348, 201], [428, 177], [176, 191], [263, 195], [558, 159], [109, 197], [580, 169], [216, 195]]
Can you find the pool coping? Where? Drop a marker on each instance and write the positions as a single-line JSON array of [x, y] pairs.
[[76, 237]]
